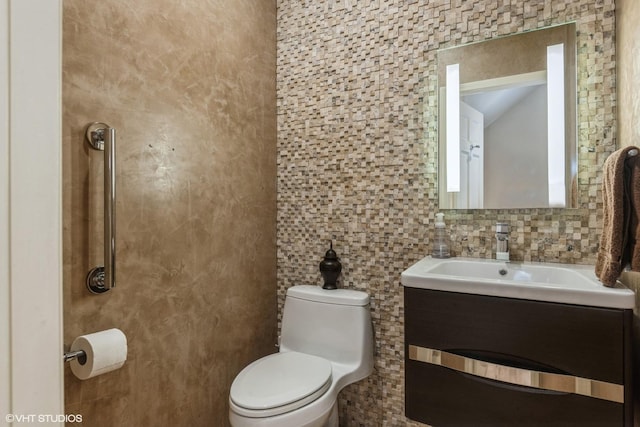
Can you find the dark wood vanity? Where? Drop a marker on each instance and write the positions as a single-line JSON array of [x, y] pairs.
[[451, 337]]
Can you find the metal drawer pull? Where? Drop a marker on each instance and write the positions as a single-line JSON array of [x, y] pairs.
[[518, 376]]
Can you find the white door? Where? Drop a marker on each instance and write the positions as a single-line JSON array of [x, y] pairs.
[[31, 371], [471, 193]]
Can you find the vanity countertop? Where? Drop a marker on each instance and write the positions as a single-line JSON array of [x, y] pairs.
[[562, 283]]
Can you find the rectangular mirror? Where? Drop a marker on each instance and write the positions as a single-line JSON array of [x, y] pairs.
[[507, 122]]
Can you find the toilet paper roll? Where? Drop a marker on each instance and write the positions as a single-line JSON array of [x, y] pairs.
[[106, 351]]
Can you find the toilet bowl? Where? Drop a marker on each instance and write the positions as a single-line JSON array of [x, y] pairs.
[[326, 344]]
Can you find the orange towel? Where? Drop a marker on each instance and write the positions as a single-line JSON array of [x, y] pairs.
[[621, 206]]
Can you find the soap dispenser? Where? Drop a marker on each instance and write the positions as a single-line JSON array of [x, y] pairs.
[[330, 268], [441, 242]]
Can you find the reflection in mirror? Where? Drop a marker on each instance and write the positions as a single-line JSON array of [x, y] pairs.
[[507, 135]]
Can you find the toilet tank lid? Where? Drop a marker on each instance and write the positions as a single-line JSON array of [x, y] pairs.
[[330, 296]]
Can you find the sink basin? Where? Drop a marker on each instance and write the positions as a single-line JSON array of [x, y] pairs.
[[563, 283]]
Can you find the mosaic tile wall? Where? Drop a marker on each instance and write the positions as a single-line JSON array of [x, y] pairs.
[[357, 147]]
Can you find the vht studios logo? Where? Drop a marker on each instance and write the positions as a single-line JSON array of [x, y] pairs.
[[43, 418]]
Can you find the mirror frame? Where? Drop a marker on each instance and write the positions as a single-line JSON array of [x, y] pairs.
[[484, 61]]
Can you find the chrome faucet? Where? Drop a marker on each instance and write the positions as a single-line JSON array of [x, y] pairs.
[[502, 241]]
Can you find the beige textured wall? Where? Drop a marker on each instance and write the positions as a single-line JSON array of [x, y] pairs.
[[628, 63], [190, 88], [357, 154], [505, 56], [628, 73]]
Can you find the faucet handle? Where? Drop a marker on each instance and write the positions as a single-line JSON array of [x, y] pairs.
[[502, 241]]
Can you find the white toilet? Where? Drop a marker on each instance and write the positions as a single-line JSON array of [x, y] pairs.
[[326, 344]]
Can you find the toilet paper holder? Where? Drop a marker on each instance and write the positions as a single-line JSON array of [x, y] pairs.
[[68, 356]]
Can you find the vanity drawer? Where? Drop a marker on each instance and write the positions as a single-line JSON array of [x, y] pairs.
[[561, 339], [441, 397]]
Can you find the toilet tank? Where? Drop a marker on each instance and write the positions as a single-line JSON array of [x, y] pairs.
[[333, 324]]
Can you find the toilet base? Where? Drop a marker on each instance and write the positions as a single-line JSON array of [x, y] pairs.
[[328, 419], [333, 420]]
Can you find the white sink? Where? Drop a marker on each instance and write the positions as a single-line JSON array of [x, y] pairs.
[[563, 283]]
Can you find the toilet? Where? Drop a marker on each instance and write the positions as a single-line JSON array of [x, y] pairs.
[[326, 344]]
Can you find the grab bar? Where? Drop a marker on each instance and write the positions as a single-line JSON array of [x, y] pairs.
[[101, 136]]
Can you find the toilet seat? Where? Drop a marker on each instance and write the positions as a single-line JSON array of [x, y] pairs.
[[280, 383]]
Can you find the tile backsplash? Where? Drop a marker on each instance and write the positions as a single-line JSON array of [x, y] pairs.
[[357, 154]]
